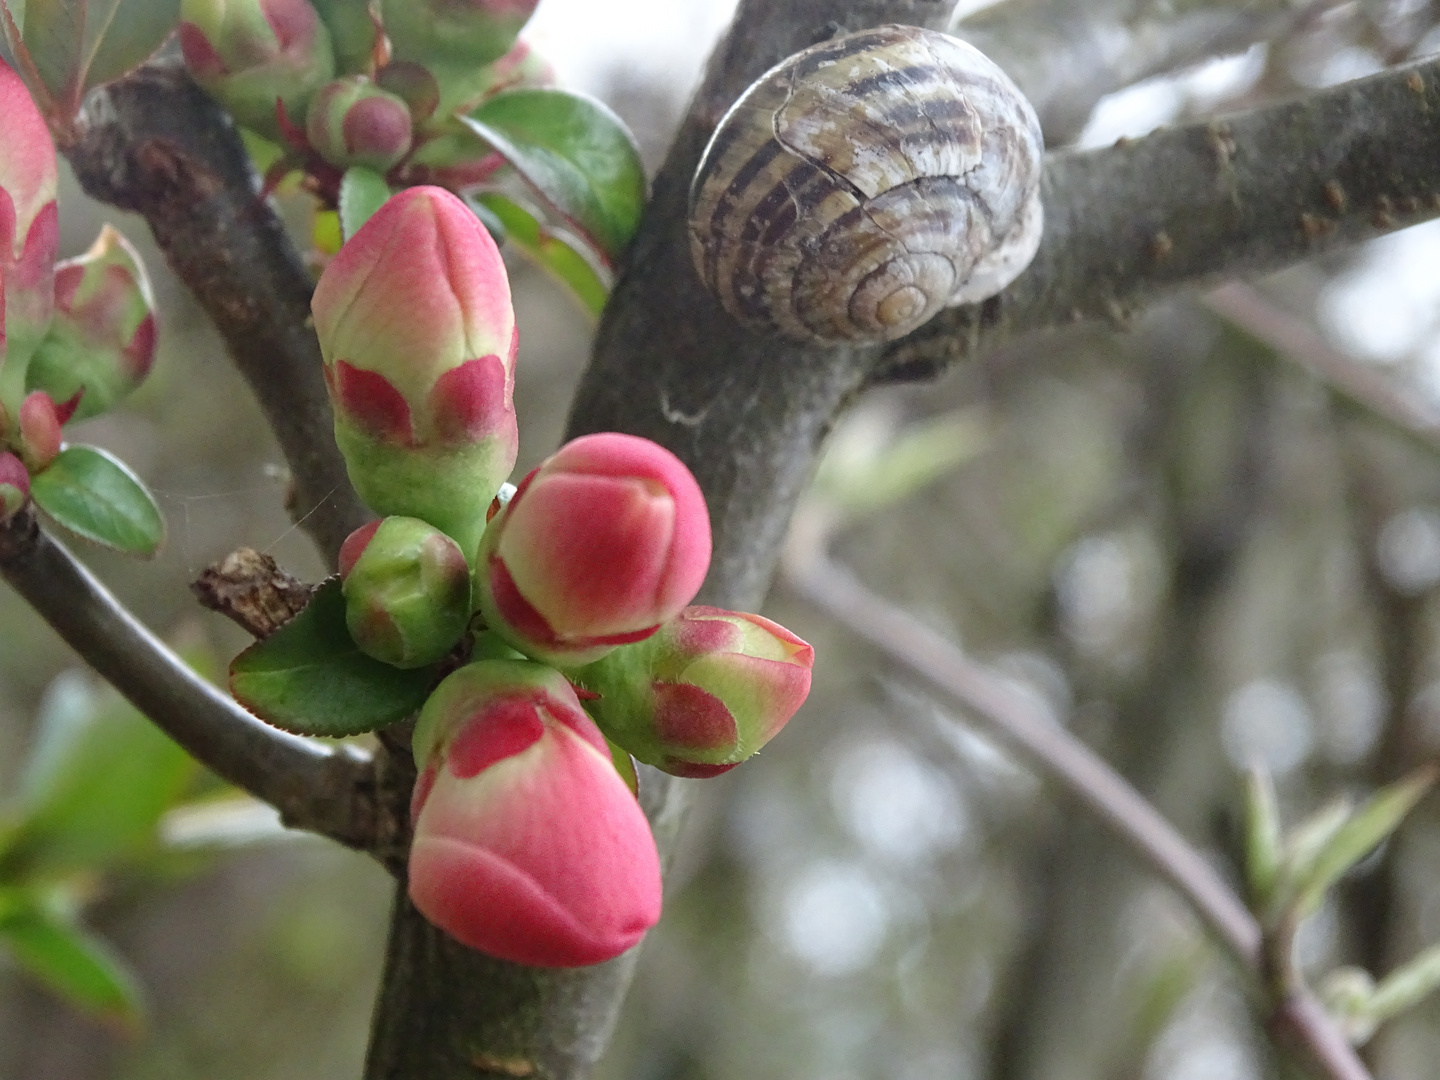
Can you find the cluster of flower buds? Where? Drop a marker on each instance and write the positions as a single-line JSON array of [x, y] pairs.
[[339, 88], [75, 337], [565, 604]]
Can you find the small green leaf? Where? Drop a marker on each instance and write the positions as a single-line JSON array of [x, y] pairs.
[[1407, 985], [79, 44], [1263, 845], [96, 786], [362, 192], [577, 155], [94, 495], [309, 677], [78, 966], [587, 279], [1376, 819]]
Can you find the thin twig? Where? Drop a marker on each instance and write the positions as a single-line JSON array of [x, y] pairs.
[[808, 569], [1295, 340], [327, 790]]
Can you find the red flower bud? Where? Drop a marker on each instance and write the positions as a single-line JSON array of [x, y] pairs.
[[40, 422], [14, 486], [704, 693], [418, 337], [353, 122], [29, 232], [250, 53], [602, 543], [528, 845], [101, 341]]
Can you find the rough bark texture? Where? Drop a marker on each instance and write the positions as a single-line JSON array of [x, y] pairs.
[[1265, 188]]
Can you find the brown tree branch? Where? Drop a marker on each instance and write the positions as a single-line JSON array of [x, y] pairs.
[[325, 790], [153, 142], [1187, 206]]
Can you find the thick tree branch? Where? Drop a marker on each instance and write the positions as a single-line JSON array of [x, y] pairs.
[[1187, 206], [154, 143], [327, 791]]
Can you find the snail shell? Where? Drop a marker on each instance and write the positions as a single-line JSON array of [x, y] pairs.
[[865, 183]]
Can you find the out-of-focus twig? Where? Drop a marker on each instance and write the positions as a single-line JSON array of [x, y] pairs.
[[330, 791], [1251, 311], [1295, 1014]]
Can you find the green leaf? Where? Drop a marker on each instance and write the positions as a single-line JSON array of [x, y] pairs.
[[1263, 845], [1407, 985], [96, 786], [577, 155], [1376, 819], [309, 677], [362, 192], [100, 777], [78, 44], [94, 495], [587, 279], [74, 963]]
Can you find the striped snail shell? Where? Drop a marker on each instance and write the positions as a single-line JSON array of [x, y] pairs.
[[865, 183]]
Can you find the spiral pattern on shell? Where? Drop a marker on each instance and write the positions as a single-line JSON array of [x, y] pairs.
[[865, 183]]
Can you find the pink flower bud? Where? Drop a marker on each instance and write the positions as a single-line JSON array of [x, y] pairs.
[[602, 543], [40, 422], [467, 32], [353, 122], [101, 341], [14, 486], [249, 53], [704, 693], [29, 232], [418, 337], [407, 591], [528, 845]]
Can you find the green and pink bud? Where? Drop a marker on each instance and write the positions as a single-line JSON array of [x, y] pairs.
[[528, 845], [29, 233], [407, 591], [471, 33], [40, 421], [418, 338], [704, 693], [101, 341], [353, 122], [14, 485], [251, 54], [605, 541]]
